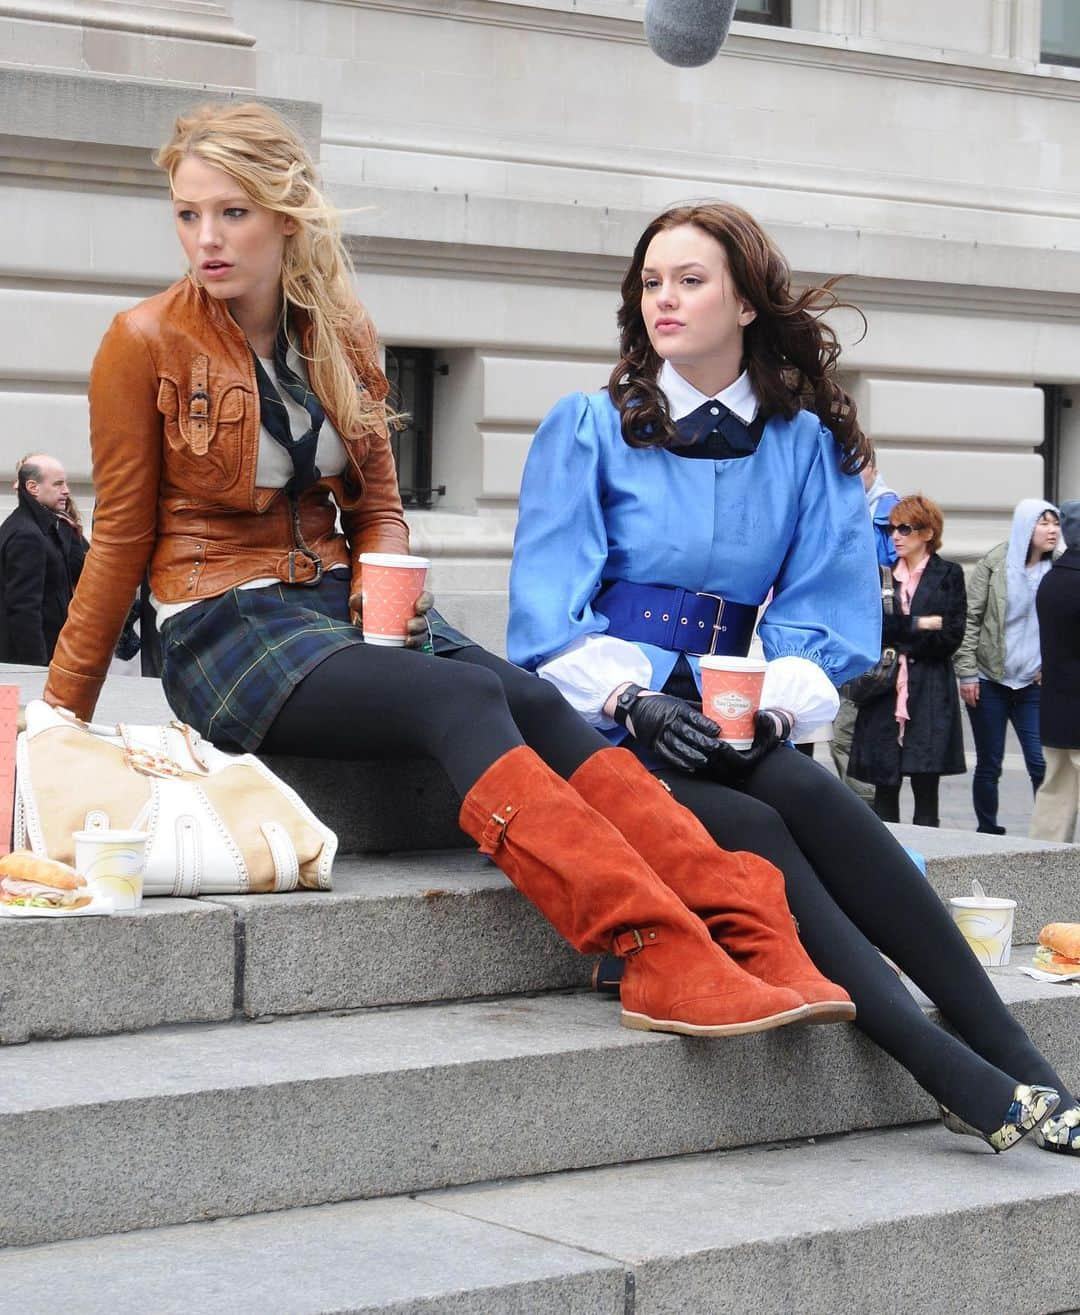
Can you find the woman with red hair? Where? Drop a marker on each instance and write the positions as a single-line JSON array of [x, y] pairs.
[[916, 732]]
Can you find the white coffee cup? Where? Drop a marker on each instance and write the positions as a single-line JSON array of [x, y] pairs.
[[390, 585], [112, 863], [731, 695], [986, 924]]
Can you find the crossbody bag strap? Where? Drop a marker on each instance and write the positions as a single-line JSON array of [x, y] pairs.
[[888, 598]]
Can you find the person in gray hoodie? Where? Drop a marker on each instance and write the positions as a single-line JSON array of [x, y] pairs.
[[998, 664]]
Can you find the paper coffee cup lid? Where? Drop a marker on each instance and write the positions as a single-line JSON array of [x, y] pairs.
[[717, 662], [393, 559], [981, 902]]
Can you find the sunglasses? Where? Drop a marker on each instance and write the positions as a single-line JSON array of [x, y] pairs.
[[905, 530]]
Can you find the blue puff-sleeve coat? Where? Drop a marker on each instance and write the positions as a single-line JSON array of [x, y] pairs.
[[785, 518]]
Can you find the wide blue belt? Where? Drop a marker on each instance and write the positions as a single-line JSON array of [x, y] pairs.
[[677, 619]]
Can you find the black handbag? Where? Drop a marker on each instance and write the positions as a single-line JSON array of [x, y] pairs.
[[881, 678]]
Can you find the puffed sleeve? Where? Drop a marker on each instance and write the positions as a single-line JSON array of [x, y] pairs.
[[826, 605], [560, 550], [560, 545]]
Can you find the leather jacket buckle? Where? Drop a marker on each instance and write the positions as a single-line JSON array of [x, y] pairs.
[[313, 558]]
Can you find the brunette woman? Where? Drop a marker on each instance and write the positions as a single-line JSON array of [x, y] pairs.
[[916, 730], [233, 418], [721, 462]]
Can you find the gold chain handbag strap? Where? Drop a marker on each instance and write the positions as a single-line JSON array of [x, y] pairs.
[[148, 762]]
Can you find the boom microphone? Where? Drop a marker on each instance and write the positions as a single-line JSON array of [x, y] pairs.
[[687, 32]]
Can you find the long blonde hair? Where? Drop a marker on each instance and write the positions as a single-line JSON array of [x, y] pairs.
[[271, 163]]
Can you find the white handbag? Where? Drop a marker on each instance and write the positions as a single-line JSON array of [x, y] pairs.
[[218, 823]]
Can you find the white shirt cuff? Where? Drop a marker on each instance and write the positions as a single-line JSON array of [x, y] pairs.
[[588, 670], [800, 687]]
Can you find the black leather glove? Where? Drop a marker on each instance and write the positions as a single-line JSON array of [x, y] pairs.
[[732, 766], [680, 733]]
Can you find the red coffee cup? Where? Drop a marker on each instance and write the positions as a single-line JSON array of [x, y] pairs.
[[390, 584], [731, 695]]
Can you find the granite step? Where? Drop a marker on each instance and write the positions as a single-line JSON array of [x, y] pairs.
[[396, 929], [383, 807], [113, 1133], [909, 1221]]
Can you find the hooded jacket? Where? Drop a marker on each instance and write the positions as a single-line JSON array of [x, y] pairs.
[[174, 431], [997, 577]]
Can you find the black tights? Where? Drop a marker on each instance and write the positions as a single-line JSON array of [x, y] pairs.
[[850, 885], [924, 787], [853, 888], [465, 710]]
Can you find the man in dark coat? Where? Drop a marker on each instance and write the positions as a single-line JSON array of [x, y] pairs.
[[1058, 606], [35, 564]]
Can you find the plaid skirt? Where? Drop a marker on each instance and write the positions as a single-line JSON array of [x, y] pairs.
[[228, 664]]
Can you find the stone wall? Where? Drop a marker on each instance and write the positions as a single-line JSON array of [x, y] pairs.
[[497, 161]]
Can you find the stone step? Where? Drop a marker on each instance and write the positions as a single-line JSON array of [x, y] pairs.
[[172, 961], [396, 929], [113, 1133], [909, 1221], [400, 929], [1043, 878], [382, 807]]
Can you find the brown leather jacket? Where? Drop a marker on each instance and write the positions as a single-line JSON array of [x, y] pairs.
[[174, 431]]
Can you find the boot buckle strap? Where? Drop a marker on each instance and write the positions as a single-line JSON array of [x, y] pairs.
[[494, 829], [628, 943]]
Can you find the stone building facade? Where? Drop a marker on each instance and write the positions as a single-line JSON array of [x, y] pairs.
[[497, 158]]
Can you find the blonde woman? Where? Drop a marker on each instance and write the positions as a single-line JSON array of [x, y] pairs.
[[233, 418]]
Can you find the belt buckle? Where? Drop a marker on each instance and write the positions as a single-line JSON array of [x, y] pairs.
[[310, 556], [717, 629]]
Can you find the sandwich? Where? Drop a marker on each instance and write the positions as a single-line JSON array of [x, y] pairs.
[[1058, 950], [41, 883]]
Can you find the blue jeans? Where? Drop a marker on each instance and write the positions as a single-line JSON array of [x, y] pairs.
[[999, 705]]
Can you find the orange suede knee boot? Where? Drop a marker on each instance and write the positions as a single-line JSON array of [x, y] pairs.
[[604, 898], [740, 897]]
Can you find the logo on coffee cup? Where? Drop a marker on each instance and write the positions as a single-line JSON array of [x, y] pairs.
[[730, 704]]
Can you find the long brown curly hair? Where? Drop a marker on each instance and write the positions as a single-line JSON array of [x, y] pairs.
[[788, 351]]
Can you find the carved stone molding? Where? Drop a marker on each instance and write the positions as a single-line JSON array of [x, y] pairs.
[[191, 20], [92, 129]]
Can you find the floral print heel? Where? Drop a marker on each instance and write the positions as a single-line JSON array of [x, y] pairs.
[[1030, 1105], [1061, 1132]]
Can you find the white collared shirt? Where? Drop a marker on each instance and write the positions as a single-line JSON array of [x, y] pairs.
[[588, 671], [683, 398]]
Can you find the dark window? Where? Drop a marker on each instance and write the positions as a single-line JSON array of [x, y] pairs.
[[411, 372], [777, 12], [1060, 32], [1054, 402]]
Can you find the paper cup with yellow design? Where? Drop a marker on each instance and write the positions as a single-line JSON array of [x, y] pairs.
[[112, 863], [390, 584], [731, 695], [986, 924]]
